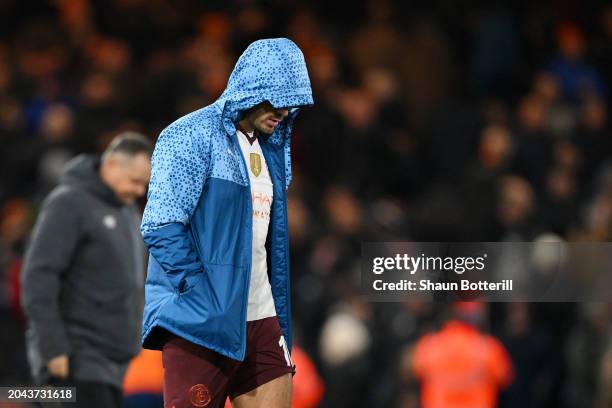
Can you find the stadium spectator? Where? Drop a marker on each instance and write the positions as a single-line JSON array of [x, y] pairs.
[[459, 366]]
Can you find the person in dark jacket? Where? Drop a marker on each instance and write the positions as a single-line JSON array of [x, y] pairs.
[[83, 275]]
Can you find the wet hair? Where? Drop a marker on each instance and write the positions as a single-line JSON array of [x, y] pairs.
[[129, 144]]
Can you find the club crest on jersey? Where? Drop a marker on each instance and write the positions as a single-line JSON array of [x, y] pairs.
[[255, 164]]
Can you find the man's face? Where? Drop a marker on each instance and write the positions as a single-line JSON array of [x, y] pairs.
[[128, 176], [265, 118]]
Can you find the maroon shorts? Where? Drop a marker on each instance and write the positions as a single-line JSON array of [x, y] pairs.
[[195, 376]]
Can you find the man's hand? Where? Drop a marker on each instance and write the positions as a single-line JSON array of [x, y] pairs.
[[58, 366]]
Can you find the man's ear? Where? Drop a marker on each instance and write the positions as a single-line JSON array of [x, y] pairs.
[[111, 161]]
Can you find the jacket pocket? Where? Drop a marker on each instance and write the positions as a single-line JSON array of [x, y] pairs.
[[187, 283], [218, 292]]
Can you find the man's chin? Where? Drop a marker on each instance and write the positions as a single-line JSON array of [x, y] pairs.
[[127, 200], [267, 130]]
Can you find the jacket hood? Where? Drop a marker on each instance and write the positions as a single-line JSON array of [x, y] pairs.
[[82, 172], [271, 70]]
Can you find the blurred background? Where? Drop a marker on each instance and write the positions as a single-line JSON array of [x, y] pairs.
[[434, 121]]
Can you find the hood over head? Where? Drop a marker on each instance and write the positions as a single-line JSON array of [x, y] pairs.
[[271, 70]]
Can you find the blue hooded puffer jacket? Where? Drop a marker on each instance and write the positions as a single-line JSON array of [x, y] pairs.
[[197, 223]]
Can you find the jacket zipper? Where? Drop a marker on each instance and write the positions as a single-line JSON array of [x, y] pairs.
[[236, 145], [288, 339], [273, 234]]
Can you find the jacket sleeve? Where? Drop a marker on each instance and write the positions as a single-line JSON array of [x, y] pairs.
[[54, 240], [180, 165]]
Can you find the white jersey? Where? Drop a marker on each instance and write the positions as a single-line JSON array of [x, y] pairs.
[[261, 302]]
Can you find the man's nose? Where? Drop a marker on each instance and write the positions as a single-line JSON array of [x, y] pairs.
[[283, 112]]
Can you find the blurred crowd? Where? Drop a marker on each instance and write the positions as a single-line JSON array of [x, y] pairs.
[[433, 121]]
